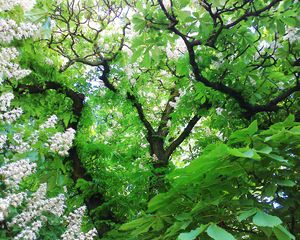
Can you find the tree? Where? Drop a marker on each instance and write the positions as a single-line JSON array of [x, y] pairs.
[[153, 87]]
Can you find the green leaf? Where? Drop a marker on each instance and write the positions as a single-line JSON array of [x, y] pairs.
[[280, 27], [142, 229], [282, 234], [244, 215], [136, 54], [244, 134], [192, 234], [295, 130], [184, 3], [286, 183], [270, 190], [250, 153], [147, 60], [266, 149], [135, 223], [277, 158], [182, 66], [263, 219], [218, 233]]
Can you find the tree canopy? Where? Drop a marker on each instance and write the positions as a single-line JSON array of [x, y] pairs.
[[142, 119]]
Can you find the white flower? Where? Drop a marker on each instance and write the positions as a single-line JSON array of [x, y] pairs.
[[11, 116], [9, 69], [173, 104], [169, 123], [73, 231], [132, 81], [61, 143], [109, 133], [219, 111], [50, 123], [292, 35], [10, 30], [4, 204], [3, 139], [221, 136], [6, 5], [29, 233], [19, 146], [49, 61], [14, 172], [37, 205], [5, 100], [177, 50]]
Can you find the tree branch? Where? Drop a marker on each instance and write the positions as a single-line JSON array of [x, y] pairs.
[[250, 109], [186, 132], [162, 131], [252, 14], [77, 98], [129, 96]]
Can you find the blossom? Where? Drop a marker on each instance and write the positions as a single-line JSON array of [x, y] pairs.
[[14, 172], [6, 5], [169, 123], [19, 146], [50, 123], [73, 231], [219, 111], [9, 69], [3, 139], [37, 205], [221, 136], [14, 199], [60, 143], [12, 115], [29, 233], [177, 50], [4, 204], [5, 100], [10, 30], [49, 61], [173, 104], [292, 35]]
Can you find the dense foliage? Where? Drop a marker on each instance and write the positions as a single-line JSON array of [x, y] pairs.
[[173, 119]]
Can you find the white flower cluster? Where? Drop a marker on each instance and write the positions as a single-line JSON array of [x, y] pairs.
[[221, 136], [292, 35], [29, 233], [73, 231], [11, 116], [60, 143], [37, 205], [19, 146], [14, 172], [5, 100], [178, 50], [50, 123], [219, 111], [14, 199], [174, 104], [6, 5], [3, 139], [4, 204], [9, 69], [10, 30], [49, 61]]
